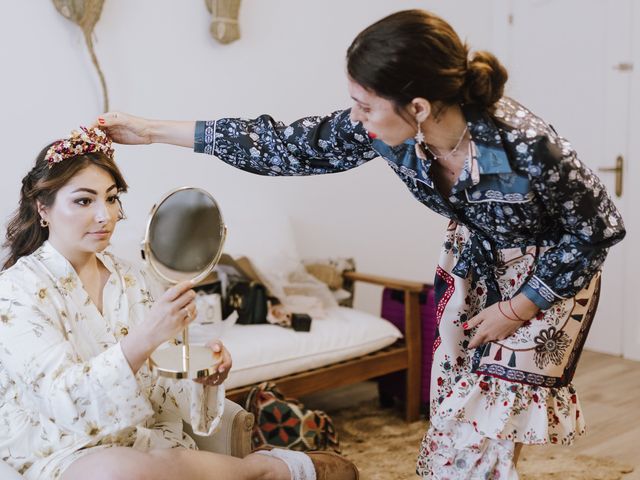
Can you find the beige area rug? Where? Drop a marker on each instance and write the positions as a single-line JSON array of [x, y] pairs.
[[385, 448]]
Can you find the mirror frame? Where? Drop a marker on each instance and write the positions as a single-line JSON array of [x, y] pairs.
[[151, 259]]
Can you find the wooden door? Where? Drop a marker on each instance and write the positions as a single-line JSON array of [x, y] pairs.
[[570, 62]]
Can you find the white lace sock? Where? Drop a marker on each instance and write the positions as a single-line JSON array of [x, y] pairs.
[[299, 463]]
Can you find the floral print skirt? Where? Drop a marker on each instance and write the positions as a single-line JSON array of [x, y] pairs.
[[516, 390]]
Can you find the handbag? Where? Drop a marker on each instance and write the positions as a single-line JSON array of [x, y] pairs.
[[249, 299]]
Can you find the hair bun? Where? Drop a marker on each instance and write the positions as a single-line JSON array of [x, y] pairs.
[[485, 80]]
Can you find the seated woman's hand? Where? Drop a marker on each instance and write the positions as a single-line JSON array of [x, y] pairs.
[[223, 368], [172, 312]]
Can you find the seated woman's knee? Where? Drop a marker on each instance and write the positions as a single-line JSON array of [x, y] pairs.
[[167, 457], [116, 464]]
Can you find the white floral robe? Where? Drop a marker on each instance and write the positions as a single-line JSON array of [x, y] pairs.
[[66, 388]]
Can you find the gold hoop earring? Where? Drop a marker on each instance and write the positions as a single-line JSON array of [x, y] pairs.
[[44, 223]]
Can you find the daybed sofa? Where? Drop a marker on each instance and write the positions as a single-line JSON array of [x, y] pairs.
[[346, 347]]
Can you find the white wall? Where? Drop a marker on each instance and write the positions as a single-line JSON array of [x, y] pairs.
[[160, 61]]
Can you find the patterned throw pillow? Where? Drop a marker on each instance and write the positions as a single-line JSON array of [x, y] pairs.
[[330, 271], [286, 423]]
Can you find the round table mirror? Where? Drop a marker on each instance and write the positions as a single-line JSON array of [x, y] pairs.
[[183, 241]]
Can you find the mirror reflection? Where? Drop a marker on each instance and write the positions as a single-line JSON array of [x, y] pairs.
[[185, 235]]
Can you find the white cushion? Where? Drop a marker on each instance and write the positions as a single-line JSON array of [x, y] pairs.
[[262, 352], [268, 241], [266, 238], [8, 473]]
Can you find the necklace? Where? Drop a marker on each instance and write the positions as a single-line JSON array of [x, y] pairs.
[[452, 151], [448, 170]]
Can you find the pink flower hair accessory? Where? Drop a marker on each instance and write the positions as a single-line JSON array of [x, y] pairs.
[[87, 140]]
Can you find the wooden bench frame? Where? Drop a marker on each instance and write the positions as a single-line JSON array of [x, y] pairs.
[[404, 355]]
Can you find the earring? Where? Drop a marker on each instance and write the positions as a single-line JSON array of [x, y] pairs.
[[44, 223], [420, 143], [419, 135]]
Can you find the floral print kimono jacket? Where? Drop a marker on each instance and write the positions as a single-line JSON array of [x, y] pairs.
[[65, 384], [525, 216]]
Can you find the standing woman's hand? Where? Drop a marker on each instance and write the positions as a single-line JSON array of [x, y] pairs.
[[124, 128], [171, 313], [500, 320], [131, 130]]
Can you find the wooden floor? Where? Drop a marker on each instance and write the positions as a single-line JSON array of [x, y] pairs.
[[609, 391]]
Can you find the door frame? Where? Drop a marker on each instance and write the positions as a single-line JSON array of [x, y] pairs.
[[631, 339]]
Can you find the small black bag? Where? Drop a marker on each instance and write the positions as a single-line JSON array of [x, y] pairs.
[[249, 299]]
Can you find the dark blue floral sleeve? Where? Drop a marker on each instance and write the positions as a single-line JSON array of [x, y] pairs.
[[309, 146], [586, 217], [553, 199]]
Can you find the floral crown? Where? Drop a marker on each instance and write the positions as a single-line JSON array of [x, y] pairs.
[[87, 140]]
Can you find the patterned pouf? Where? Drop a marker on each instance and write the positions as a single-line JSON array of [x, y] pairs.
[[286, 423]]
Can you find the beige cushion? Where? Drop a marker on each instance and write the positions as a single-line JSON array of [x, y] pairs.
[[234, 435]]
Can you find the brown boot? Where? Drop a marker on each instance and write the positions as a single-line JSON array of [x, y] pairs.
[[331, 466]]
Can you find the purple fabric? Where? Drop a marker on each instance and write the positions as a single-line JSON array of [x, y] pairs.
[[393, 310]]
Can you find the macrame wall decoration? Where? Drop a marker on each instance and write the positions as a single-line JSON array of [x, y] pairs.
[[86, 13], [224, 20]]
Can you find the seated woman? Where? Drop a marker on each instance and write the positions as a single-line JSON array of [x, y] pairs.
[[76, 328]]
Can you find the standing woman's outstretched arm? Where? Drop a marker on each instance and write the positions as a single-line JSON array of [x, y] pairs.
[[309, 146]]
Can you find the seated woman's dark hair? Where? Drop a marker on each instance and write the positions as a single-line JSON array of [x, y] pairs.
[[415, 54], [24, 232]]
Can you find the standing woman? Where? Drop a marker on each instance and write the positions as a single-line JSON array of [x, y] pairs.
[[518, 278]]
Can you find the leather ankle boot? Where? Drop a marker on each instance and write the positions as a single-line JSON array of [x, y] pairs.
[[331, 466]]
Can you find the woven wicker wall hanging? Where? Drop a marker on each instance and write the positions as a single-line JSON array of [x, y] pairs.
[[86, 13], [224, 20]]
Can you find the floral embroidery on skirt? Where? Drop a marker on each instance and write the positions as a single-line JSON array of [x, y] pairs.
[[519, 389]]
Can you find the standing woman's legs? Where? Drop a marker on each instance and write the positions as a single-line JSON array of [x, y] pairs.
[[516, 453], [457, 300]]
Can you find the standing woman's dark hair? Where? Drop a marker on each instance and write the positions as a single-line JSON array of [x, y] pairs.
[[25, 234], [414, 54]]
